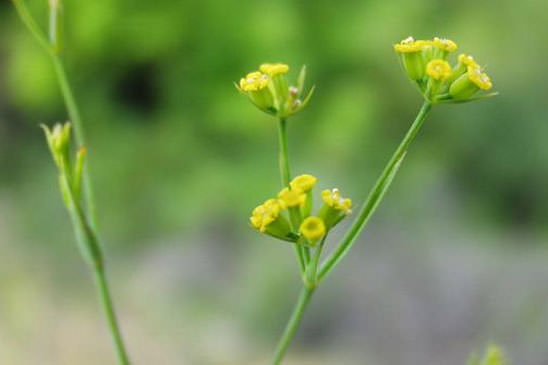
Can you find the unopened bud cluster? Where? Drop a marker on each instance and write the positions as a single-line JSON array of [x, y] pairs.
[[288, 216], [426, 64], [70, 169], [270, 91]]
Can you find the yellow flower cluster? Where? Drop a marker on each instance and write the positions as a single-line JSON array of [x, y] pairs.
[[268, 89], [425, 62], [271, 217]]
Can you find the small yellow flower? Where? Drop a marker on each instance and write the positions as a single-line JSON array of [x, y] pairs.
[[254, 81], [265, 214], [438, 69], [313, 228], [481, 79], [273, 69], [303, 183], [292, 197], [410, 45], [333, 199], [467, 60], [444, 44]]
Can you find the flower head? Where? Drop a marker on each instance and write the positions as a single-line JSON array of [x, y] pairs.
[[312, 228], [292, 197], [438, 69], [269, 90], [273, 69], [303, 183], [425, 62], [333, 199], [254, 81]]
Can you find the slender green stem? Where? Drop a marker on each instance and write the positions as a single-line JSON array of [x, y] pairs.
[[68, 96], [376, 194], [85, 232], [285, 174], [74, 115], [90, 249], [293, 324], [106, 302]]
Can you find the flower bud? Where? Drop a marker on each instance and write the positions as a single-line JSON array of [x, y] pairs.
[[266, 218], [411, 52], [470, 83], [438, 70], [304, 183], [443, 47], [58, 140], [294, 200], [313, 229], [335, 207], [255, 85]]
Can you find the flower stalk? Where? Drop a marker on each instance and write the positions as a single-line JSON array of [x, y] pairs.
[[74, 175], [426, 65]]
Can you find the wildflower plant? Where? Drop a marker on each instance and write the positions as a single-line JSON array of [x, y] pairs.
[[289, 215], [74, 180]]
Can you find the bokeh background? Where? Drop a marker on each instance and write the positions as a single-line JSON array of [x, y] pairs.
[[455, 257]]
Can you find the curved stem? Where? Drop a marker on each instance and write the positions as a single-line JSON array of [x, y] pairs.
[[85, 233], [376, 194], [293, 324], [285, 175], [74, 115], [108, 308]]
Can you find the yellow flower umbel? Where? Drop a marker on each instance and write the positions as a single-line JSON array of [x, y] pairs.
[[313, 229], [268, 89], [267, 218], [426, 65], [335, 207]]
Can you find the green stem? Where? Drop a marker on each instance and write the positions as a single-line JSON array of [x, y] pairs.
[[293, 324], [85, 233], [91, 252], [285, 174], [74, 115], [106, 302], [376, 194], [68, 96]]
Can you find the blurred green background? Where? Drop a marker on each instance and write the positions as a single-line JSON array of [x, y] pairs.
[[456, 256]]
